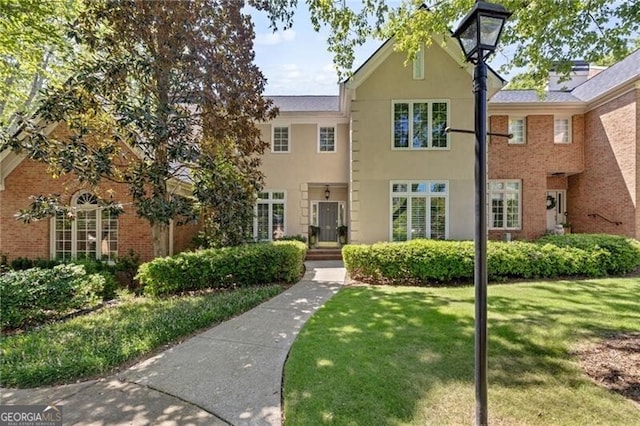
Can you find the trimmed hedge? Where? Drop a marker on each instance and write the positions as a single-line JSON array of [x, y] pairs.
[[430, 262], [243, 266], [32, 296]]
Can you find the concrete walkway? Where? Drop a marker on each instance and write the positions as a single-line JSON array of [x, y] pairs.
[[229, 374]]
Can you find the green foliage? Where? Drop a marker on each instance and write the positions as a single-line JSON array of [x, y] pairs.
[[242, 266], [126, 269], [35, 53], [539, 34], [429, 262], [100, 341], [622, 254], [36, 295]]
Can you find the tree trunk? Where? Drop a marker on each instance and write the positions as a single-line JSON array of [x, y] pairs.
[[160, 236]]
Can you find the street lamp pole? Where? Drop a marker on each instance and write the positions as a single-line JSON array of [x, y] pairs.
[[478, 35], [480, 267]]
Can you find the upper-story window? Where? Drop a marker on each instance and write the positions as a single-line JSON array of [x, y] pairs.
[[562, 130], [327, 139], [518, 128], [89, 233], [420, 124], [280, 139]]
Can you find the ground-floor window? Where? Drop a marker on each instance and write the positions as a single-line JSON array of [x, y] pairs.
[[419, 210], [505, 204], [88, 232], [269, 223]]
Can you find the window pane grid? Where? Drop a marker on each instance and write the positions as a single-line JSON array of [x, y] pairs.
[[505, 204], [517, 128], [425, 121], [561, 129], [420, 212], [401, 125], [281, 139], [439, 124], [270, 216], [78, 238], [327, 139]]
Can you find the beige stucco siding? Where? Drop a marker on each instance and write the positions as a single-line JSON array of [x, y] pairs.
[[376, 164], [303, 169]]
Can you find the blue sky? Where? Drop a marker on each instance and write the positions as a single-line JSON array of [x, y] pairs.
[[296, 62]]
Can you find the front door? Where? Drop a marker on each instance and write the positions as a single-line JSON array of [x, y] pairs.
[[328, 221], [556, 208]]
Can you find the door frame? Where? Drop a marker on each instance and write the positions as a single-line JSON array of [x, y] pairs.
[[560, 208], [315, 218]]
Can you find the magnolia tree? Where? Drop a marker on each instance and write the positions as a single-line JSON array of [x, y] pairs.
[[173, 82]]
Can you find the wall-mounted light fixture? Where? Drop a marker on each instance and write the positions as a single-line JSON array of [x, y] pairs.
[[327, 193]]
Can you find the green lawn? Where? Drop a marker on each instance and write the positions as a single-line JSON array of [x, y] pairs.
[[99, 342], [405, 356]]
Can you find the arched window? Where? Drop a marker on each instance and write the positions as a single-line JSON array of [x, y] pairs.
[[88, 232]]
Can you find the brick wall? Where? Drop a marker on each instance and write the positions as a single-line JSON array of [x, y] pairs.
[[609, 183], [18, 239], [534, 163]]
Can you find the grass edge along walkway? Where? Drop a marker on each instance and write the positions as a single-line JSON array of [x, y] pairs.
[[404, 355], [100, 342]]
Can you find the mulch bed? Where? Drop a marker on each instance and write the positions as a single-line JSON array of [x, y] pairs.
[[615, 364]]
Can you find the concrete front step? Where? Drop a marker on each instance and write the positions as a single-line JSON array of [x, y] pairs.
[[324, 254]]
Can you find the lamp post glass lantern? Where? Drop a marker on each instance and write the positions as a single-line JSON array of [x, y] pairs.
[[478, 35]]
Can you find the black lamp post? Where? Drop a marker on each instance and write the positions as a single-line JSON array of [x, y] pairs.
[[478, 35]]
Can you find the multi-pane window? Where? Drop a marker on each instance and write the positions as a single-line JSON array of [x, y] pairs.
[[518, 128], [89, 233], [327, 139], [505, 204], [562, 130], [420, 124], [280, 139], [269, 223], [418, 210]]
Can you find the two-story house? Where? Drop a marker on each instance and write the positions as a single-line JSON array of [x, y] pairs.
[[394, 174], [377, 159]]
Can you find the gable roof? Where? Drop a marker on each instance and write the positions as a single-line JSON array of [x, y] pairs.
[[306, 103], [620, 73]]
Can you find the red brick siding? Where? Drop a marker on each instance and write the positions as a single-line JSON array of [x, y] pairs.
[[608, 184], [532, 163], [33, 240]]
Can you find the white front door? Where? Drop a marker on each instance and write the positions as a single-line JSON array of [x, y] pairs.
[[556, 208]]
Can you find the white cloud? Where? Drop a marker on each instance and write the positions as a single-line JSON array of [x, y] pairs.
[[298, 79], [272, 38]]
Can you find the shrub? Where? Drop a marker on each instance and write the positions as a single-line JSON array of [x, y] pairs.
[[429, 262], [242, 266], [620, 255], [35, 295]]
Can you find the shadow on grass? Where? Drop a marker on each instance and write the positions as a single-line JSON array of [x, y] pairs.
[[374, 355]]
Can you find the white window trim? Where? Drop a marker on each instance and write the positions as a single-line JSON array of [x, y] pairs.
[[489, 218], [270, 202], [428, 193], [273, 132], [513, 141], [74, 231], [569, 129], [335, 138], [430, 130], [418, 64]]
